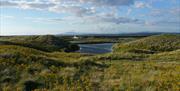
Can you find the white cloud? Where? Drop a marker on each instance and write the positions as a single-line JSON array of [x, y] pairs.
[[129, 11], [43, 19], [111, 18], [75, 7], [162, 23], [111, 2], [26, 5], [8, 4], [97, 2], [78, 11], [88, 9], [165, 12], [142, 5]]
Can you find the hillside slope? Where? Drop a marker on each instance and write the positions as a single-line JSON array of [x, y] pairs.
[[153, 44], [26, 68], [166, 56], [45, 43]]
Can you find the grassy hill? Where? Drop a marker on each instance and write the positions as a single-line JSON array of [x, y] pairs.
[[23, 68], [148, 64], [45, 43], [153, 44], [166, 56]]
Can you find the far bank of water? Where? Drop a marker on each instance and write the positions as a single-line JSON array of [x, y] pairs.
[[96, 48]]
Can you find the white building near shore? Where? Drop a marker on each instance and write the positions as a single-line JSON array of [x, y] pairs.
[[75, 37]]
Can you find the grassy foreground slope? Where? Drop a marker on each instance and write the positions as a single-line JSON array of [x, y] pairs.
[[45, 43], [26, 69], [166, 56], [153, 44], [133, 67]]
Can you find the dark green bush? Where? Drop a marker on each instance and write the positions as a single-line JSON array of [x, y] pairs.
[[31, 85]]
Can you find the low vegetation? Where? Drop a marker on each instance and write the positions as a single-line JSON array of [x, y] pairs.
[[167, 56], [29, 69], [153, 44], [94, 40], [47, 43], [147, 64]]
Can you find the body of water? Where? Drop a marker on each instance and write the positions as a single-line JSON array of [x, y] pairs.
[[96, 48]]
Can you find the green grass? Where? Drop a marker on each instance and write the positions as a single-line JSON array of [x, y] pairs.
[[20, 67], [48, 43], [153, 44], [167, 56], [24, 68], [118, 56], [142, 76], [94, 40]]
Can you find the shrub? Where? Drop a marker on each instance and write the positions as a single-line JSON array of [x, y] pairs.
[[31, 85]]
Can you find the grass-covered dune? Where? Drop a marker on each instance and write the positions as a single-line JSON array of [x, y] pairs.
[[27, 69], [153, 44], [131, 67], [45, 43], [166, 56]]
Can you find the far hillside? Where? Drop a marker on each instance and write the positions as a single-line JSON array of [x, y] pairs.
[[47, 43], [152, 44]]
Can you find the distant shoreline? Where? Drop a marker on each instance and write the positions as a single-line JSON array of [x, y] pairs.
[[99, 35], [92, 42]]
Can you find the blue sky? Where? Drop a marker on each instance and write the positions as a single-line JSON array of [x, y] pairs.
[[30, 17]]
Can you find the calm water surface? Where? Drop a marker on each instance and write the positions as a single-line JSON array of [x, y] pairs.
[[96, 48]]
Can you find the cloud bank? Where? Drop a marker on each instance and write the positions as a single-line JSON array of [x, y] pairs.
[[78, 8], [113, 12]]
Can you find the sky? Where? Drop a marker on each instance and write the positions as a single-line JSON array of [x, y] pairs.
[[32, 17]]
